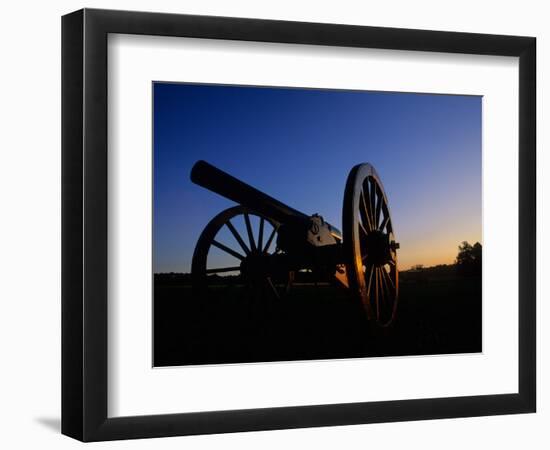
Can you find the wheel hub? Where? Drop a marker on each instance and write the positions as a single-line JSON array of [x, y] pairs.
[[377, 247], [256, 266]]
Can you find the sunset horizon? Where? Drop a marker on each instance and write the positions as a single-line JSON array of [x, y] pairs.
[[299, 145]]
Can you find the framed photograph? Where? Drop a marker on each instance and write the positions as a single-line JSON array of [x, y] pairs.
[[273, 224]]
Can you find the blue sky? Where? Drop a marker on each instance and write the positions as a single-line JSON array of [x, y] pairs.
[[298, 145]]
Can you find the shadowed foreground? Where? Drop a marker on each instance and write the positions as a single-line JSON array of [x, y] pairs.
[[313, 322]]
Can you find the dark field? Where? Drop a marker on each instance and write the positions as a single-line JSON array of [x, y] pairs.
[[438, 316]]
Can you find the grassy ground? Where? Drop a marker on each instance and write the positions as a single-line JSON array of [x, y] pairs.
[[434, 317]]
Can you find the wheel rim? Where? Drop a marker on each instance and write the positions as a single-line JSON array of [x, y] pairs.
[[246, 245], [369, 245]]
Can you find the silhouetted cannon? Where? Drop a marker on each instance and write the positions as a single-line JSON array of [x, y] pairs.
[[269, 241]]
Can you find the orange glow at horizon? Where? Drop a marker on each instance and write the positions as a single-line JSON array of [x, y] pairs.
[[436, 246]]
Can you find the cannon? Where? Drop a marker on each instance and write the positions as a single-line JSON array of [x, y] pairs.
[[275, 241]]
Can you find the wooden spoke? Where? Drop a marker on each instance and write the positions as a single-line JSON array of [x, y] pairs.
[[364, 212], [378, 208], [269, 240], [367, 203], [372, 201], [270, 282], [249, 232], [227, 250], [223, 269], [388, 279], [370, 269], [384, 222], [237, 236], [385, 288], [387, 293], [261, 233], [363, 229]]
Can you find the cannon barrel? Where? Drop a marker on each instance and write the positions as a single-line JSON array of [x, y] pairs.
[[220, 182]]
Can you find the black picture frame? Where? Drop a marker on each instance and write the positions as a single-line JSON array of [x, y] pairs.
[[84, 224]]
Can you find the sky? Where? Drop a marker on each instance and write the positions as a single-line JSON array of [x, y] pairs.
[[298, 145]]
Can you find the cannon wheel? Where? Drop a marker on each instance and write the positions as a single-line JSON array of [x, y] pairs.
[[369, 245], [247, 248]]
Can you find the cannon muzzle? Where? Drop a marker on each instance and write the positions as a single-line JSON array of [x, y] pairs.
[[220, 182]]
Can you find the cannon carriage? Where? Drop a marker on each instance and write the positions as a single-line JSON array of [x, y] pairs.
[[277, 241]]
